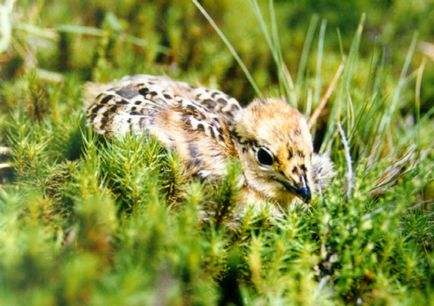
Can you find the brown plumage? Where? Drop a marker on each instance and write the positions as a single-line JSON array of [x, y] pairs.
[[208, 128]]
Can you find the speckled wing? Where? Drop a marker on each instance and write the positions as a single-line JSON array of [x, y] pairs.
[[193, 121], [215, 101], [131, 103]]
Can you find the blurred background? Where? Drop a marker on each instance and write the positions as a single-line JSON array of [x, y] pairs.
[[102, 40]]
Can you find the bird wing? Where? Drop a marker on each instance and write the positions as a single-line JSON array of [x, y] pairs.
[[211, 100], [193, 121], [132, 103], [215, 101]]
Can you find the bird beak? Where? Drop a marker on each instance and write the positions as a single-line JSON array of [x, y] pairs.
[[302, 190]]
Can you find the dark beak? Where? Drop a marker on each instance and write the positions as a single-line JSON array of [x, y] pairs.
[[302, 190]]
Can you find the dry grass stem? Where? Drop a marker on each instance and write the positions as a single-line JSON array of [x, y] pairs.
[[326, 97]]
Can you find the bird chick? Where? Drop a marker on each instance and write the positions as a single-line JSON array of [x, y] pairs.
[[208, 128]]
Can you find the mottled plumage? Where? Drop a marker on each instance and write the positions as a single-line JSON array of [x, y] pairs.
[[208, 128]]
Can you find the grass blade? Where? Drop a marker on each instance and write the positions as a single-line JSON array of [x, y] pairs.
[[229, 46], [305, 53], [317, 90]]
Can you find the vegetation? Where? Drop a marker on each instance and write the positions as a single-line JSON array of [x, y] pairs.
[[91, 221]]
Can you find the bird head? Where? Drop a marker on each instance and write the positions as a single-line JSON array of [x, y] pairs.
[[275, 150]]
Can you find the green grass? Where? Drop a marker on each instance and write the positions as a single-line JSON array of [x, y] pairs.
[[91, 221]]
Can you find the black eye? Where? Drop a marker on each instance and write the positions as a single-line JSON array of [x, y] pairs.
[[264, 157]]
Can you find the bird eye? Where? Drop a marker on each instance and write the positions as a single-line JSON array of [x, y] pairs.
[[264, 157]]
